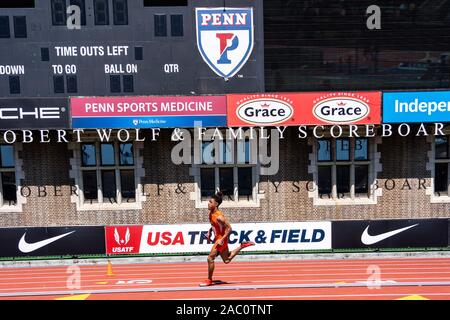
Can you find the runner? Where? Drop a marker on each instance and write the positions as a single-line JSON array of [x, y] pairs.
[[222, 229]]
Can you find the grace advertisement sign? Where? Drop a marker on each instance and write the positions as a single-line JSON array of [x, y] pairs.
[[292, 109], [148, 112], [192, 237]]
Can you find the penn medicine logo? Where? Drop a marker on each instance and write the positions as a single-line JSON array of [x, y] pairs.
[[341, 110], [225, 38], [265, 111]]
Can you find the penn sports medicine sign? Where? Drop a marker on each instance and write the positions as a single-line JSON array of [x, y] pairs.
[[190, 238], [289, 109], [147, 111]]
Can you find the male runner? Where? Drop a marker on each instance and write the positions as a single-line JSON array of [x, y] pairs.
[[222, 230]]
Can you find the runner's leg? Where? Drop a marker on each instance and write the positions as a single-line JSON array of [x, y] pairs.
[[227, 256], [213, 254]]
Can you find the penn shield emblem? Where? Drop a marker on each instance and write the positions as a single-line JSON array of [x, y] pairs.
[[225, 38]]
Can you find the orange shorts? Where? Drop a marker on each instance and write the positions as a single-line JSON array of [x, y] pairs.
[[223, 247]]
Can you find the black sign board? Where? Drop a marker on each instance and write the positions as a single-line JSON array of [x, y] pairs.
[[34, 113], [162, 57], [52, 241], [390, 234]]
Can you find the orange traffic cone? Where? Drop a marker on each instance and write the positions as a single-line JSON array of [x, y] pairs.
[[109, 271]]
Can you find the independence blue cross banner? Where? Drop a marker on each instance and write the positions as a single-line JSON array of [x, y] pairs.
[[431, 106], [225, 38]]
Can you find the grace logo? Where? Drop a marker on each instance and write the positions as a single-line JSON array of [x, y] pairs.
[[341, 110], [122, 241], [265, 111]]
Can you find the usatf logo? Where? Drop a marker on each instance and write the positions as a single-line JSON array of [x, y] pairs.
[[225, 38], [126, 240], [122, 241]]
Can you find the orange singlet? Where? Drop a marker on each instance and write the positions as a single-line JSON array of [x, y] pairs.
[[219, 229]]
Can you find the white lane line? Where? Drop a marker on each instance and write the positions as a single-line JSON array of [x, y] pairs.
[[217, 288], [223, 273], [324, 263], [399, 295], [299, 281], [231, 268]]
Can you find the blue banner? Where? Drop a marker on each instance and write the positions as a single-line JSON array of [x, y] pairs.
[[404, 107], [149, 122]]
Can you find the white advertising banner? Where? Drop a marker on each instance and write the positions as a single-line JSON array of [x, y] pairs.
[[267, 236]]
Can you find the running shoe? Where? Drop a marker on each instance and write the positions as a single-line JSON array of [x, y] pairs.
[[206, 283], [246, 244]]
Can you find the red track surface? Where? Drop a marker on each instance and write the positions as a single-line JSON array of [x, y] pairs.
[[242, 280]]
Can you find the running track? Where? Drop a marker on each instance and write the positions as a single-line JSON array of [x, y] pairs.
[[407, 278]]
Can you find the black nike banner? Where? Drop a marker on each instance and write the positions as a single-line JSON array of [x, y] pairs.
[[390, 233], [52, 241]]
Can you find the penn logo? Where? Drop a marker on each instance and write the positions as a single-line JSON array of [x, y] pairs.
[[264, 111], [224, 19], [225, 38], [341, 110]]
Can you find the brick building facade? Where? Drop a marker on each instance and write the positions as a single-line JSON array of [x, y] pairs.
[[47, 194], [45, 184]]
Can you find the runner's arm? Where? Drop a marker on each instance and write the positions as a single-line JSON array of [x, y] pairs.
[[227, 225], [208, 235]]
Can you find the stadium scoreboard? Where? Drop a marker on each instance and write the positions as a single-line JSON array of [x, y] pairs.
[[60, 48]]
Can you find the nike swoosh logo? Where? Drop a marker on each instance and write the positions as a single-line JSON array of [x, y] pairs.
[[367, 239], [30, 247]]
